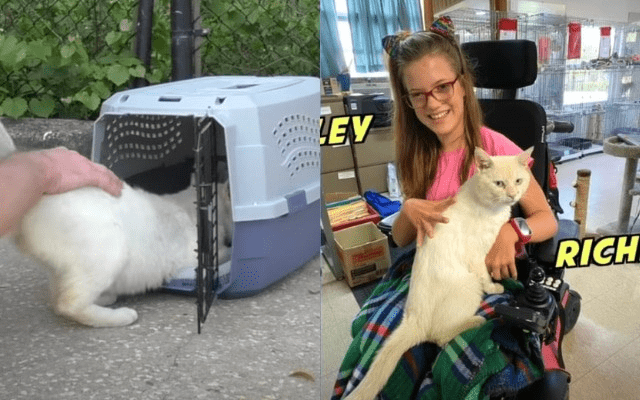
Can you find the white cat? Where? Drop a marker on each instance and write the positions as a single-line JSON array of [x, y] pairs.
[[98, 246], [449, 274]]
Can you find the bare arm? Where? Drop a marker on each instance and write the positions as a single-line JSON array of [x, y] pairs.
[[26, 177]]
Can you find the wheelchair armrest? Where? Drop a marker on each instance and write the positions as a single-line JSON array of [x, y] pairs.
[[546, 251]]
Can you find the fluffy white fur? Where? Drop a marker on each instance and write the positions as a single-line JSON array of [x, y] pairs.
[[98, 247], [449, 274], [6, 143]]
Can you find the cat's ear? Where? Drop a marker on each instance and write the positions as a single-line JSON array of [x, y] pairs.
[[523, 158], [483, 160]]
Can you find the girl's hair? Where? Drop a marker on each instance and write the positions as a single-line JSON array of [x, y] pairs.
[[417, 147]]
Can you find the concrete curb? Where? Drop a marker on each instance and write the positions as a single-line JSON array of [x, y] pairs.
[[40, 133]]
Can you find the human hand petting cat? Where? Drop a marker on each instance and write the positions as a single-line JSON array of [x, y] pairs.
[[66, 170], [501, 259], [25, 177], [425, 214]]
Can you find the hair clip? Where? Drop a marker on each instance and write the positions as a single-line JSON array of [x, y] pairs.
[[389, 43], [443, 26]]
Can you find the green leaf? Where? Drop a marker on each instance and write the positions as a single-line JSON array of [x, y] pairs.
[[7, 45], [8, 51], [129, 61], [21, 52], [112, 37], [155, 76], [90, 100], [118, 74], [101, 89], [39, 50], [42, 107], [137, 71], [67, 51], [15, 107]]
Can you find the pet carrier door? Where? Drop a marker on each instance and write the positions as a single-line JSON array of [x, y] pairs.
[[158, 153], [207, 131]]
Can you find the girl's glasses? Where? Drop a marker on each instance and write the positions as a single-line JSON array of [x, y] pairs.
[[442, 92]]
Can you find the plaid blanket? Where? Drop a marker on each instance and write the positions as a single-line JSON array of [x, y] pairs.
[[491, 360]]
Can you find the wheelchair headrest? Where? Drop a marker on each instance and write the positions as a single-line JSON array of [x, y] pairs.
[[503, 64]]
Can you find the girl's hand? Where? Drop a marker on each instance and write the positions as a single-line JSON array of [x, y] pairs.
[[425, 214], [501, 259]]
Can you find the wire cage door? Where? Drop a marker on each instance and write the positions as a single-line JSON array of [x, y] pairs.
[[207, 131]]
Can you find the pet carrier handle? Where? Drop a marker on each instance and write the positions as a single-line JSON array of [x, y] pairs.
[[560, 126]]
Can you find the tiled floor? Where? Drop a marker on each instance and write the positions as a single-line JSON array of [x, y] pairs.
[[602, 352]]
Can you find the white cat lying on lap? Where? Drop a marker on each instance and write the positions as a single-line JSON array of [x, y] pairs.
[[98, 247], [449, 275]]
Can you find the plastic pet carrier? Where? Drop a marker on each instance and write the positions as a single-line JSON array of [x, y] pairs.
[[265, 130]]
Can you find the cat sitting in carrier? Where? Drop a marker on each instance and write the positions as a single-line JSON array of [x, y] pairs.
[[97, 246], [449, 275]]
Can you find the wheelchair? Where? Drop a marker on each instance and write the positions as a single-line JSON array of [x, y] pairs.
[[548, 306]]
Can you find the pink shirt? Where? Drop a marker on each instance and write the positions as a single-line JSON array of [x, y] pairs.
[[447, 182]]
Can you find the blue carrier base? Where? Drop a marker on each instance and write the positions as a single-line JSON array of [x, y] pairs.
[[265, 251]]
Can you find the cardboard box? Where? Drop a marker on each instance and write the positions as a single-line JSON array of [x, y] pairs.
[[340, 181], [332, 197], [338, 157], [377, 148], [344, 218], [374, 177], [364, 253]]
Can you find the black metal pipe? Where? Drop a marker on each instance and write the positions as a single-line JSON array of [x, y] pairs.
[[144, 38], [181, 40]]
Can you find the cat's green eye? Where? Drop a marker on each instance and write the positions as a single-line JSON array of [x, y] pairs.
[[499, 184]]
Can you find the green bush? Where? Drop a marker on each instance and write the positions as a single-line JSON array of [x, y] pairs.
[[261, 37], [62, 58]]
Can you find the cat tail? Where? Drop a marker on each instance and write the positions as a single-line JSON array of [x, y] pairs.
[[402, 339], [6, 143]]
